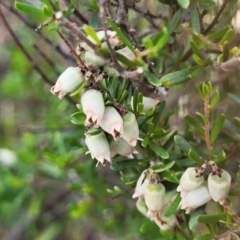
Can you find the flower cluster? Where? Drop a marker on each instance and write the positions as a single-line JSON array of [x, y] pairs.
[[195, 191], [124, 130], [152, 200]]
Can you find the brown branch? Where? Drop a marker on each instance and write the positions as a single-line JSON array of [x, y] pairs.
[[74, 29], [27, 55], [215, 20], [57, 48], [207, 125], [232, 62], [120, 194]]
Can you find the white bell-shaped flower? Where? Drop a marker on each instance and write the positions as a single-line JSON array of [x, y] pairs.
[[121, 147], [142, 184], [130, 129], [94, 60], [148, 103], [98, 147], [68, 81], [127, 53], [112, 122], [155, 194], [93, 106], [195, 198], [219, 186], [189, 181]]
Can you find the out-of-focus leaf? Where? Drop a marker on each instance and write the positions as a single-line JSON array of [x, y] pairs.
[[126, 61], [163, 167], [227, 36], [204, 237], [124, 164], [179, 77], [217, 127], [180, 236], [173, 207], [91, 32], [161, 39], [211, 218], [202, 116], [195, 22], [193, 222], [193, 122], [175, 20], [218, 34], [159, 150], [196, 50], [235, 192], [27, 8], [184, 3], [50, 232], [151, 78]]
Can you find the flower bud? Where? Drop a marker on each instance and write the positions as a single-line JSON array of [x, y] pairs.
[[148, 103], [67, 82], [155, 194], [130, 129], [112, 122], [195, 198], [121, 147], [142, 184], [189, 181], [141, 207], [93, 106], [92, 59], [98, 147], [219, 185]]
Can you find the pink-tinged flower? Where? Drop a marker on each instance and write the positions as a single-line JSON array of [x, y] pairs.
[[68, 81], [142, 184], [195, 198], [189, 181], [98, 147], [121, 147], [219, 185], [93, 106], [112, 122], [130, 129]]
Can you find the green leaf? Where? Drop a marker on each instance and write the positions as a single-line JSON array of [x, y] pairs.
[[228, 35], [185, 147], [145, 141], [173, 207], [159, 150], [196, 50], [184, 3], [195, 23], [50, 232], [159, 133], [220, 157], [194, 156], [179, 77], [163, 167], [151, 78], [180, 236], [120, 33], [211, 218], [162, 39], [47, 11], [193, 122], [27, 8], [125, 164], [146, 226], [175, 20], [202, 116], [204, 237], [217, 127], [218, 34], [91, 32], [193, 223], [215, 99]]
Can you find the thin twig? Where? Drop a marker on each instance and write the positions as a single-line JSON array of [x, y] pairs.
[[27, 55], [217, 16], [57, 48], [207, 126], [74, 29], [120, 194], [72, 50]]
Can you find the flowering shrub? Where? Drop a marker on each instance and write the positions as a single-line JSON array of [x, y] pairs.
[[121, 83]]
